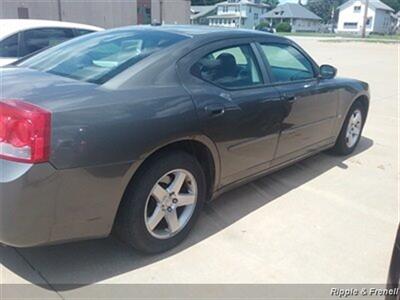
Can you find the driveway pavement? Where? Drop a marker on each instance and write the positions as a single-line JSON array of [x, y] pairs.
[[324, 220]]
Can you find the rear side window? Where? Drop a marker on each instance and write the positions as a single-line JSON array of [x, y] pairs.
[[79, 32], [287, 63], [98, 57], [37, 39], [234, 67], [9, 47]]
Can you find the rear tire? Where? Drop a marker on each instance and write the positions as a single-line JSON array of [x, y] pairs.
[[153, 217], [351, 131]]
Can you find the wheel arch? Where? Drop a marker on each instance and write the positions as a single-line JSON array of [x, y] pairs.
[[201, 147], [364, 100]]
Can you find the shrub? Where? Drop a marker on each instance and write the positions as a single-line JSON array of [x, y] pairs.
[[284, 27], [262, 25]]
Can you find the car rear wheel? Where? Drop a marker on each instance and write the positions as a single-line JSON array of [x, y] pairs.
[[351, 131], [163, 203]]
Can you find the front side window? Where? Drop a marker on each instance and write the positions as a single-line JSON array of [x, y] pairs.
[[287, 63], [233, 67], [37, 39], [9, 47], [100, 56]]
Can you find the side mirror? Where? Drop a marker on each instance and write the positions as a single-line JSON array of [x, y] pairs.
[[327, 72]]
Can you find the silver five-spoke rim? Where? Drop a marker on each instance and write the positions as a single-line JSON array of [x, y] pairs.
[[354, 128], [171, 204]]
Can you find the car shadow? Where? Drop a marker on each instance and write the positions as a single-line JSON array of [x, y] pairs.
[[70, 266], [394, 270]]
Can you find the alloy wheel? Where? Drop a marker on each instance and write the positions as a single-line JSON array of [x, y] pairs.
[[354, 128], [171, 204]]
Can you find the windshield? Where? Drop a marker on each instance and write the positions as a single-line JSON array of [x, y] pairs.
[[98, 57]]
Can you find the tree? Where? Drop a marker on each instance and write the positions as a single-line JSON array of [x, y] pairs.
[[395, 4], [271, 3], [324, 8]]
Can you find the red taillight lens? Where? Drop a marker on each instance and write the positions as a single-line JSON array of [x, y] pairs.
[[24, 132]]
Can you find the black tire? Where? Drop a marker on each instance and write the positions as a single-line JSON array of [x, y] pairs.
[[341, 147], [131, 225]]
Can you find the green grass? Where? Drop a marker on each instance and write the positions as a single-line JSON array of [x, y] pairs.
[[359, 40], [372, 37], [316, 34]]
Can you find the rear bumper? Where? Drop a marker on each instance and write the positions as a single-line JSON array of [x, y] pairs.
[[27, 205], [42, 205]]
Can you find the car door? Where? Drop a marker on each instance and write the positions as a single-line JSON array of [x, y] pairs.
[[312, 102], [236, 107]]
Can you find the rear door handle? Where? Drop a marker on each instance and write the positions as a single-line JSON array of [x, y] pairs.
[[215, 110]]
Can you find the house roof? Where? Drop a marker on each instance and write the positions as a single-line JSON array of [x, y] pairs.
[[372, 3], [201, 10], [244, 2], [291, 10]]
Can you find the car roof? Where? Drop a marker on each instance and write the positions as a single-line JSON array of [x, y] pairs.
[[11, 26], [200, 31]]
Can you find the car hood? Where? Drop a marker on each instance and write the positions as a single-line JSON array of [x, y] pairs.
[[46, 90]]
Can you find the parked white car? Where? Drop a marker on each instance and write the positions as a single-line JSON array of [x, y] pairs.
[[20, 37]]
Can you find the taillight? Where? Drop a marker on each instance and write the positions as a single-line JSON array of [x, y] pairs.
[[24, 132]]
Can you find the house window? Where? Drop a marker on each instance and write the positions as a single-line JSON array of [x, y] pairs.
[[369, 21], [250, 9], [357, 8], [350, 25], [23, 13], [225, 8], [255, 16]]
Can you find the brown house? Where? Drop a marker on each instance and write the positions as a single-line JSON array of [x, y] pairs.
[[103, 13]]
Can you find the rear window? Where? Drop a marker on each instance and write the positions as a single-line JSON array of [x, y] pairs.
[[98, 57]]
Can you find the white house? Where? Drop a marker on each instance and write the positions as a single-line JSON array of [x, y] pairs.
[[238, 13], [351, 17], [199, 13], [300, 18]]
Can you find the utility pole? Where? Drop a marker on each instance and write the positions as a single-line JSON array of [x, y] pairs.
[[240, 13], [59, 10], [161, 12], [364, 28]]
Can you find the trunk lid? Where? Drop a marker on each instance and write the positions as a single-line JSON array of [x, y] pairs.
[[46, 90]]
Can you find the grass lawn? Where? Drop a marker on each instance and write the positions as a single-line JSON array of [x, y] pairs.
[[372, 37]]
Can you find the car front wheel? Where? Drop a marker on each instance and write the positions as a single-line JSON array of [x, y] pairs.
[[161, 205], [351, 131]]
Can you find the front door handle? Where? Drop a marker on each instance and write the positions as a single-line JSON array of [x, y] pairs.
[[215, 110]]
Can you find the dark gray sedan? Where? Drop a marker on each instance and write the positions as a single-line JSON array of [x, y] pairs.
[[132, 130]]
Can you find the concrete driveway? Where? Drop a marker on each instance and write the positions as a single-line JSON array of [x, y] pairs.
[[324, 220]]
